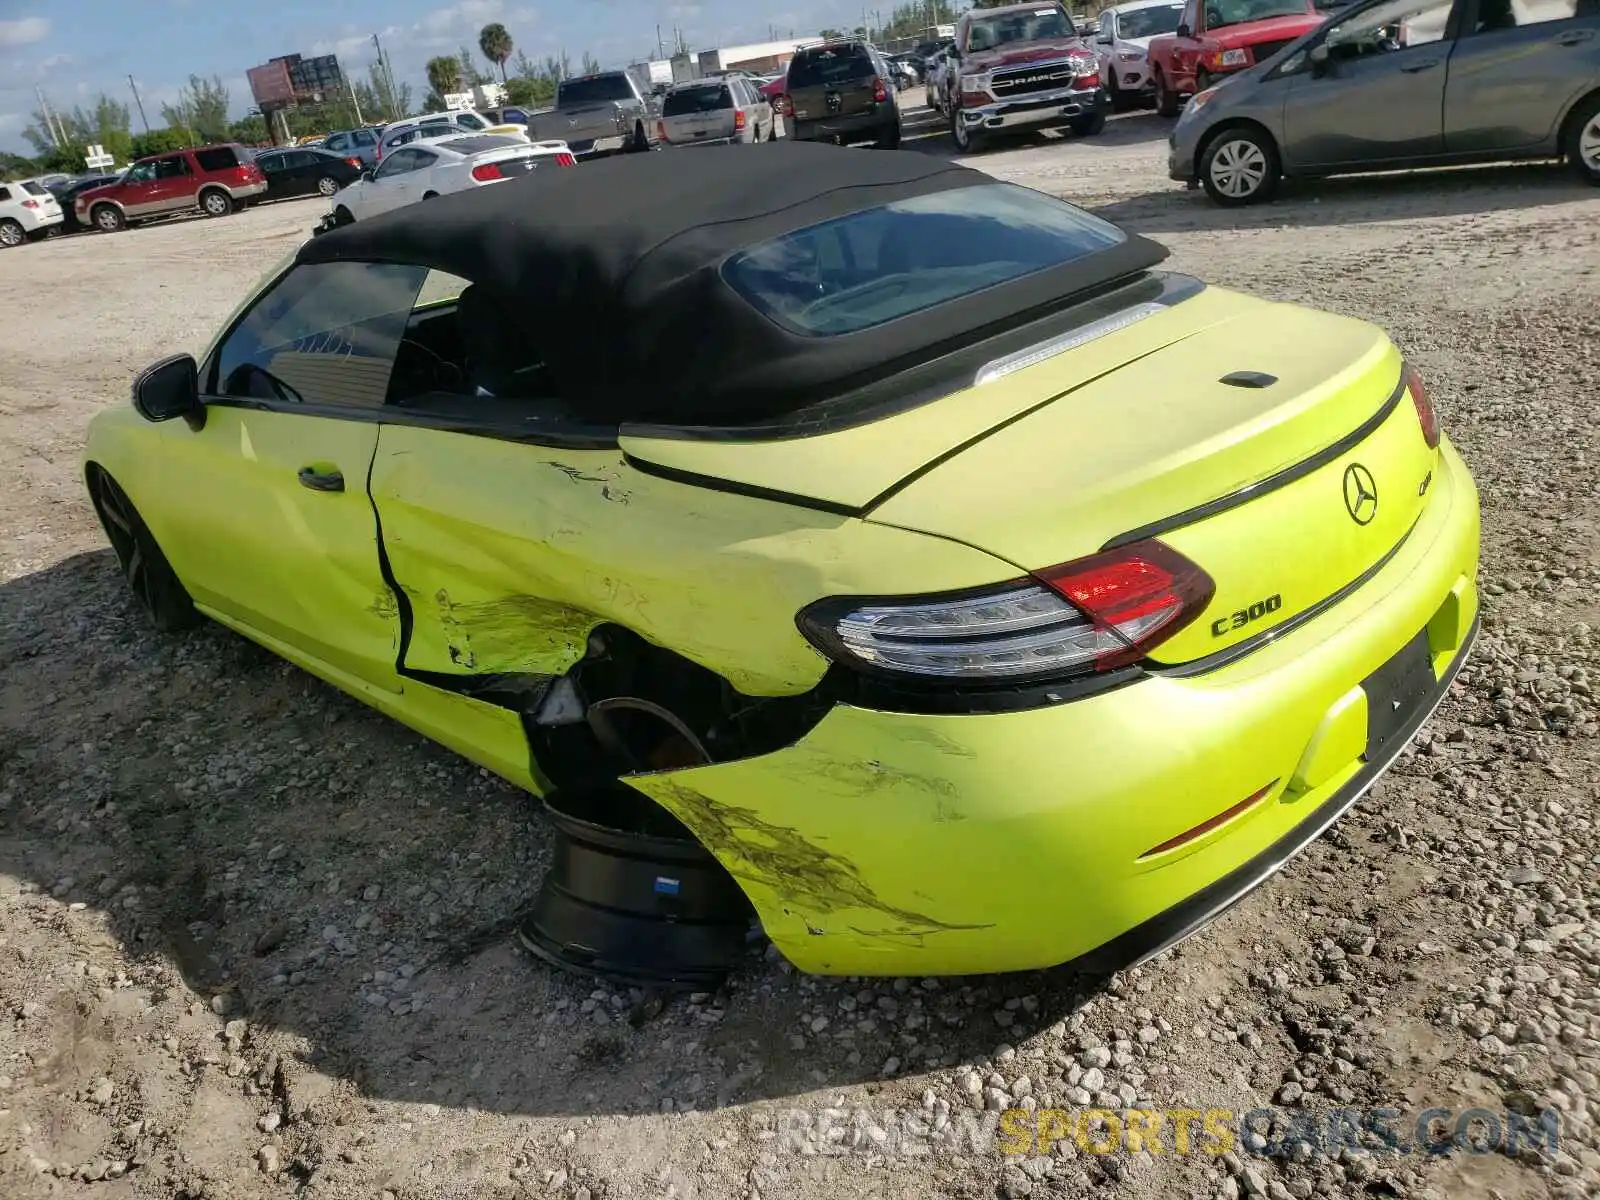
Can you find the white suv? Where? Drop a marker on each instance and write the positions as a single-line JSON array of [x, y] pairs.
[[1122, 42], [27, 210]]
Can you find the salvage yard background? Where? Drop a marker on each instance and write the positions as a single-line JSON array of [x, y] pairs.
[[254, 939]]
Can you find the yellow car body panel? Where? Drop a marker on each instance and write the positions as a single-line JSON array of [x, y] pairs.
[[895, 843], [852, 466], [511, 554]]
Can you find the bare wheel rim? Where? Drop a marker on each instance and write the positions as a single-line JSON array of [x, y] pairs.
[[327, 186], [213, 202], [10, 234], [1589, 144], [120, 529], [1238, 168], [106, 219]]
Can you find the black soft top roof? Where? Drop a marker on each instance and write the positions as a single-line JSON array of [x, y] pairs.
[[613, 269]]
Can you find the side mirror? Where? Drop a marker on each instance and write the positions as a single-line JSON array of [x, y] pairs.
[[1318, 57], [1103, 39], [1184, 31], [168, 389]]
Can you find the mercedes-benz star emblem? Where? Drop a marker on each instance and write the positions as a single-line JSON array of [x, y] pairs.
[[1360, 494]]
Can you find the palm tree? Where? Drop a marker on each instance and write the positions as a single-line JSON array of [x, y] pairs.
[[444, 75], [495, 42]]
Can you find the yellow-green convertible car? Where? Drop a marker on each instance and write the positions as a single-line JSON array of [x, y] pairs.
[[981, 595]]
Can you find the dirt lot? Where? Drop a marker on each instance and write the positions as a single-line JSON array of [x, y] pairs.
[[254, 939]]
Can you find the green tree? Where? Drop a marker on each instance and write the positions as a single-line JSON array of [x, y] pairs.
[[591, 64], [391, 100], [471, 76], [15, 166], [201, 108], [160, 141], [252, 130], [830, 35], [444, 76], [495, 43], [68, 159], [557, 66], [534, 92]]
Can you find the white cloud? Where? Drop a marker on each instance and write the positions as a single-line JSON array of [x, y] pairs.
[[55, 61], [10, 121], [24, 32]]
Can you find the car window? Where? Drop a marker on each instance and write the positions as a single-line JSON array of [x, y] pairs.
[[218, 158], [701, 98], [325, 334], [5, 193], [1031, 25], [337, 142], [140, 173], [398, 163], [172, 168], [34, 189], [1148, 22], [835, 64], [596, 89], [1496, 15], [861, 270], [269, 162], [469, 120], [364, 137], [1388, 27], [1222, 13]]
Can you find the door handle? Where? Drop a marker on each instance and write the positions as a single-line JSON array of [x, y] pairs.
[[322, 478], [1572, 37], [1424, 65]]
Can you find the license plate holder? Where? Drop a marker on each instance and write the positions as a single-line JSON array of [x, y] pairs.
[[1394, 693]]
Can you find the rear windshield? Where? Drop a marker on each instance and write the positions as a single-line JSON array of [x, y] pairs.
[[1029, 26], [595, 90], [1147, 22], [34, 189], [834, 64], [218, 158], [855, 272], [696, 100]]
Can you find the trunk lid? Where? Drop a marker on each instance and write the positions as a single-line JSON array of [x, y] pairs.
[[1284, 492], [832, 82]]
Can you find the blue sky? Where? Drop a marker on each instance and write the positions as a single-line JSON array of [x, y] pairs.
[[76, 49]]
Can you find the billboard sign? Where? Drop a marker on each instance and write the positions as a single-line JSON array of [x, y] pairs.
[[270, 85]]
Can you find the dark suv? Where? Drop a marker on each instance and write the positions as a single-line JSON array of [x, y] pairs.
[[214, 179], [840, 92]]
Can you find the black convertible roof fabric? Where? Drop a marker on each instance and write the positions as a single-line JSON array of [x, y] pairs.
[[613, 269]]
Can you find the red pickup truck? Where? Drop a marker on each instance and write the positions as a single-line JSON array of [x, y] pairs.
[[1218, 37]]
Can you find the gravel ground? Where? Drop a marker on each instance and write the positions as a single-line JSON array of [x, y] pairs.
[[253, 938]]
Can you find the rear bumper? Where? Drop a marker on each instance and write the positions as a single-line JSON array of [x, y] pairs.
[[691, 142], [876, 844], [1041, 111], [32, 221], [247, 190], [856, 126]]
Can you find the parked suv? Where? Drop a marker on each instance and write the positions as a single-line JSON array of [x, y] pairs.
[[27, 210], [715, 112], [840, 91], [214, 179], [355, 143]]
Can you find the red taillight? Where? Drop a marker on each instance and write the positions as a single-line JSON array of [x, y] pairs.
[[30, 204], [738, 119], [879, 92], [1142, 594], [487, 172], [1426, 417], [354, 162], [565, 159]]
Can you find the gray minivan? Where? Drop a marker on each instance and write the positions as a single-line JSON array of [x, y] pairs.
[[1386, 84]]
